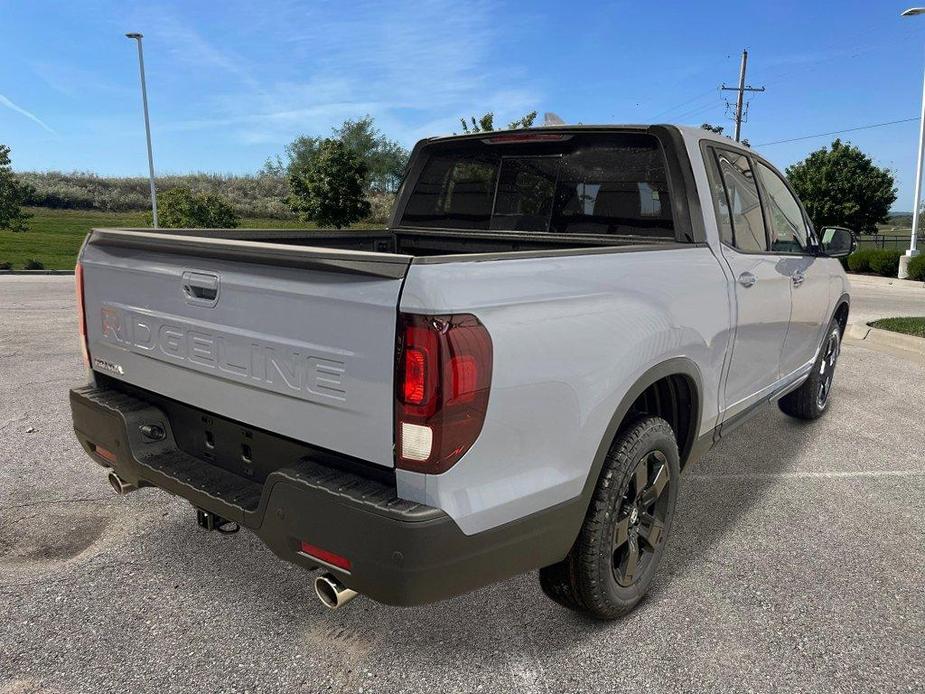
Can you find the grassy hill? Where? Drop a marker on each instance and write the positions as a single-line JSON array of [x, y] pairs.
[[55, 236]]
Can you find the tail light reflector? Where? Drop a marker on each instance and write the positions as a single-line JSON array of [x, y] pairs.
[[81, 315], [104, 453], [443, 379], [324, 555]]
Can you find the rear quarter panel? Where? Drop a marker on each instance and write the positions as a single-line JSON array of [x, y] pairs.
[[571, 335]]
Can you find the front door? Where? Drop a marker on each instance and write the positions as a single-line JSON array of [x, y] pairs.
[[762, 291], [791, 241]]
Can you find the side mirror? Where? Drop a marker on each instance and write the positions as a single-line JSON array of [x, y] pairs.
[[838, 242]]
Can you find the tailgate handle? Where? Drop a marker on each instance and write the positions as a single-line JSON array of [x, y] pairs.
[[200, 288]]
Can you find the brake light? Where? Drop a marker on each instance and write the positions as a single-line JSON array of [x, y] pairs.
[[505, 138], [81, 315], [443, 378]]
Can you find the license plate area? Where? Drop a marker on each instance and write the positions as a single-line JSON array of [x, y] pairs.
[[246, 451]]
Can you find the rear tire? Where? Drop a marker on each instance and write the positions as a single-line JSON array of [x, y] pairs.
[[621, 541], [810, 400]]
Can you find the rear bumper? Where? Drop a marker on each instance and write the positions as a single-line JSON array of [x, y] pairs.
[[401, 553]]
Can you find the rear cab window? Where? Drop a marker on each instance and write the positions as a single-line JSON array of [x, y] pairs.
[[613, 184]]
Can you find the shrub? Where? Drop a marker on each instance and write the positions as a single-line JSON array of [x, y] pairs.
[[859, 261], [885, 262], [13, 194], [330, 189], [263, 195], [181, 208], [6, 266], [33, 264], [380, 207], [917, 268]]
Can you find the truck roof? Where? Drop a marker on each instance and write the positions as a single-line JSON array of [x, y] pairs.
[[688, 132]]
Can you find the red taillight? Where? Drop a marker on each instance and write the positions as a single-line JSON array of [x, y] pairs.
[[442, 384], [415, 376], [81, 315], [325, 556]]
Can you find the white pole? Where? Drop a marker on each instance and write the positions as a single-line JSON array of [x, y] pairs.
[[144, 101], [918, 175], [912, 252]]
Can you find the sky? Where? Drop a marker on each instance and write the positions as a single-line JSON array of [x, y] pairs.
[[230, 83]]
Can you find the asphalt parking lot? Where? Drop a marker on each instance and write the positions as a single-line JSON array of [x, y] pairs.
[[797, 562]]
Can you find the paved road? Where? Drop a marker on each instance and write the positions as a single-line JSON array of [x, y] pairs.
[[797, 564], [880, 297]]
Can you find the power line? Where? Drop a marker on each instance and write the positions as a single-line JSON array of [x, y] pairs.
[[684, 80], [837, 132], [684, 103], [687, 115]]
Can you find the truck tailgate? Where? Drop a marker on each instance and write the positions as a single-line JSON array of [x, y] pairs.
[[296, 340]]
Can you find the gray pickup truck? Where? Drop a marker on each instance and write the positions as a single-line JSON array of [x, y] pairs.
[[511, 376]]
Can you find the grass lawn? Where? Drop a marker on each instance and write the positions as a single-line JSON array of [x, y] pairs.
[[55, 236], [909, 326]]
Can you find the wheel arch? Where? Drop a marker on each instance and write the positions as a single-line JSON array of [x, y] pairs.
[[840, 314], [678, 370]]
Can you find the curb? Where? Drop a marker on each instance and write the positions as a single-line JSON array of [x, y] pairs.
[[886, 338], [36, 272]]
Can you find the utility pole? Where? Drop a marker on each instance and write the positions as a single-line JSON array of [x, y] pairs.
[[144, 101], [741, 89]]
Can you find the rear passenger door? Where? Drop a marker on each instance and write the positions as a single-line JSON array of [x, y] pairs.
[[792, 243], [762, 292]]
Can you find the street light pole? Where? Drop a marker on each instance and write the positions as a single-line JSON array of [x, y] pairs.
[[912, 252], [144, 100]]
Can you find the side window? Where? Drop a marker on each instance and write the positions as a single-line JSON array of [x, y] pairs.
[[788, 229], [738, 207]]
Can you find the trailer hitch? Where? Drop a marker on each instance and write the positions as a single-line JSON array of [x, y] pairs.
[[210, 521]]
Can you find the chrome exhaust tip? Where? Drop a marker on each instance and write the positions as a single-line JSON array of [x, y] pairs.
[[332, 593], [119, 485]]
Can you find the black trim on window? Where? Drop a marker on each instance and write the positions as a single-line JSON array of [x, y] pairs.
[[708, 145], [814, 247], [685, 203]]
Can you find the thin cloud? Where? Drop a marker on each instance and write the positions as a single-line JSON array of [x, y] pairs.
[[415, 71], [23, 112]]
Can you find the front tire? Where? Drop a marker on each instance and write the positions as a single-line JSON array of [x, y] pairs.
[[811, 399], [620, 544]]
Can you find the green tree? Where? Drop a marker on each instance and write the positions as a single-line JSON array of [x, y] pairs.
[[385, 159], [486, 123], [842, 186], [180, 208], [330, 191], [12, 195], [523, 122]]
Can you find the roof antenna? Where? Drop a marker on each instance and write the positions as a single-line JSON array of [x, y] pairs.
[[550, 118]]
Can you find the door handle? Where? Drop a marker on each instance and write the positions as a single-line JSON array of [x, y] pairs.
[[797, 278], [747, 279]]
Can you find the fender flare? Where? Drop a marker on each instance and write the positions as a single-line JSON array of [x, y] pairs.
[[676, 366], [843, 300]]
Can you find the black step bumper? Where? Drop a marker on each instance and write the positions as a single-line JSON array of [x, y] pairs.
[[400, 552]]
